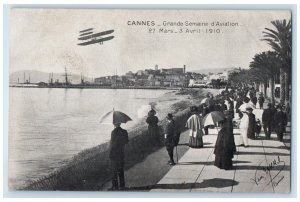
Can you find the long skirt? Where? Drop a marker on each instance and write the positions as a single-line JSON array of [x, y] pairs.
[[243, 136], [223, 162], [196, 142], [153, 133]]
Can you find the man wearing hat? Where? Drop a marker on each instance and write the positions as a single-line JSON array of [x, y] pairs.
[[205, 111], [267, 120], [170, 133], [261, 100], [119, 138], [280, 120], [251, 128]]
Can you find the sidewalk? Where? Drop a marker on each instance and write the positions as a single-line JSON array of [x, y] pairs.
[[263, 167]]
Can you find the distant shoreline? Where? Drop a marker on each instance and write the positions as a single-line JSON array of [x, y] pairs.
[[98, 87]]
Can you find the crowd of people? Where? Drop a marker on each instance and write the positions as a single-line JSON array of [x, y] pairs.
[[233, 109], [237, 107]]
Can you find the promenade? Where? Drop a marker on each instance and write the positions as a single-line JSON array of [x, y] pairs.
[[262, 167]]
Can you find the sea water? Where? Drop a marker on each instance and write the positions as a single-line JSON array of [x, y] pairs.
[[50, 125]]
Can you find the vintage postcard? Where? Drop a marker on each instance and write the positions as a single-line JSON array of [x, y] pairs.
[[150, 100]]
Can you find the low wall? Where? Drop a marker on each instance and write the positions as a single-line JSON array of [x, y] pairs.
[[90, 169]]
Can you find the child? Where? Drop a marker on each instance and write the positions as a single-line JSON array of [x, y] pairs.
[[257, 127]]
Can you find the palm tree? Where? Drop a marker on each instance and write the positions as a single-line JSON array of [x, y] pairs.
[[280, 40], [264, 67], [239, 78], [255, 75]]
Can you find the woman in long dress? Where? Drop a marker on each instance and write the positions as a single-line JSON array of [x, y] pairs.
[[252, 124], [153, 129], [223, 148], [195, 126], [244, 124], [229, 128]]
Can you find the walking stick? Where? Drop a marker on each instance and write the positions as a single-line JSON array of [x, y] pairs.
[[176, 154]]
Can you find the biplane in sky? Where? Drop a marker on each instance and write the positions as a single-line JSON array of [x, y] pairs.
[[88, 37]]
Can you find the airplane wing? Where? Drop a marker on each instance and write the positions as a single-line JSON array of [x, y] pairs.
[[96, 35], [96, 41], [86, 30], [86, 33]]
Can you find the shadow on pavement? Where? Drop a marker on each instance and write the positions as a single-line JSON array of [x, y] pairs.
[[270, 147], [187, 144], [209, 163], [249, 167], [262, 153], [215, 182]]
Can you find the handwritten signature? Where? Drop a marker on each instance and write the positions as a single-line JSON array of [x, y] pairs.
[[259, 178]]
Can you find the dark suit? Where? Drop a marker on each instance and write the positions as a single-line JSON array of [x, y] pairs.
[[170, 135], [261, 101], [239, 102], [280, 120], [204, 112], [119, 137], [267, 120], [254, 100]]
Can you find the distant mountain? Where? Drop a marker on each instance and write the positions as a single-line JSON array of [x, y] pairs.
[[213, 70], [38, 76]]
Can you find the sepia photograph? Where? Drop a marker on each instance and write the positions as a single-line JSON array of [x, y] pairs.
[[150, 100]]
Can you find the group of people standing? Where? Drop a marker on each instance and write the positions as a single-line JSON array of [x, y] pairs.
[[228, 103], [274, 119]]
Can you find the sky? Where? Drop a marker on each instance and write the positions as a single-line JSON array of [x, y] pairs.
[[46, 39]]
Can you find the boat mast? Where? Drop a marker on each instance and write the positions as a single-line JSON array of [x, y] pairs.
[[82, 79], [66, 76]]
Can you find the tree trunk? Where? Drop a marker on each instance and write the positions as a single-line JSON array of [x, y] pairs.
[[287, 89], [282, 86], [257, 86], [265, 89], [272, 88]]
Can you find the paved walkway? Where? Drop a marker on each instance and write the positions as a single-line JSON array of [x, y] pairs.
[[263, 167]]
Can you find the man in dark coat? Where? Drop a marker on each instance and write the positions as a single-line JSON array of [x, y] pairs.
[[267, 120], [119, 138], [170, 136], [204, 112], [261, 101], [239, 102], [252, 123], [231, 106], [280, 120], [254, 100], [274, 110], [223, 105]]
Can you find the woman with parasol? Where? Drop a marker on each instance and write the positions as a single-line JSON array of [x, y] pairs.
[[244, 123]]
